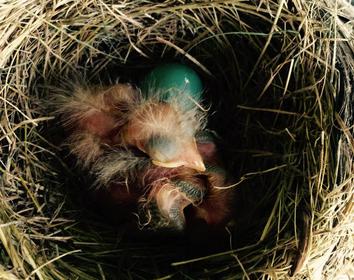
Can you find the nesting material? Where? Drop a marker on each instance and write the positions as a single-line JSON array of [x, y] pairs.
[[279, 78]]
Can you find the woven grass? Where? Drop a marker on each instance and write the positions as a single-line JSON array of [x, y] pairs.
[[280, 77]]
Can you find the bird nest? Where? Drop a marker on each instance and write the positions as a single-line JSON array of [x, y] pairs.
[[278, 76]]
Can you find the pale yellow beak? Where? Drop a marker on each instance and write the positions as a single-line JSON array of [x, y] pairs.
[[197, 165], [190, 158], [167, 164]]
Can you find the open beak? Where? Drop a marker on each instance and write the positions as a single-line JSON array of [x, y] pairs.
[[190, 157]]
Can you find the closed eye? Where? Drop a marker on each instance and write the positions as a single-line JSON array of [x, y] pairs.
[[162, 148]]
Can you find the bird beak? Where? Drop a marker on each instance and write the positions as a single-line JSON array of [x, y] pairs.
[[173, 164], [197, 165], [190, 158]]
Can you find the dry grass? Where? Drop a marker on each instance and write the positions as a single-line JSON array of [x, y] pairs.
[[280, 71]]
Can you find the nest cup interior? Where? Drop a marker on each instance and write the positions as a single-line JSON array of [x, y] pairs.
[[255, 143], [269, 101], [225, 66]]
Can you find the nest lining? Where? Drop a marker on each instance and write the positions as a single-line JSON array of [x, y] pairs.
[[269, 68]]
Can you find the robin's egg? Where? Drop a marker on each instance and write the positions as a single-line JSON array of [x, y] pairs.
[[173, 81]]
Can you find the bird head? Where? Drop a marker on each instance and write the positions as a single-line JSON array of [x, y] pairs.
[[170, 152], [165, 134]]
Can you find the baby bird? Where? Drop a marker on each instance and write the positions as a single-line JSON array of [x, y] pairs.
[[169, 197], [181, 198], [148, 152], [119, 116]]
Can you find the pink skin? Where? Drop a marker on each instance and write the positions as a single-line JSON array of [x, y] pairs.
[[208, 152], [216, 207], [107, 113], [110, 123], [157, 182], [99, 124]]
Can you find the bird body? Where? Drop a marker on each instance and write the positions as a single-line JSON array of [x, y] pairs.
[[148, 152], [174, 197], [118, 116], [186, 195]]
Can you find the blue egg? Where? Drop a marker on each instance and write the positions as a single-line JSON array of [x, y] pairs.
[[174, 80]]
